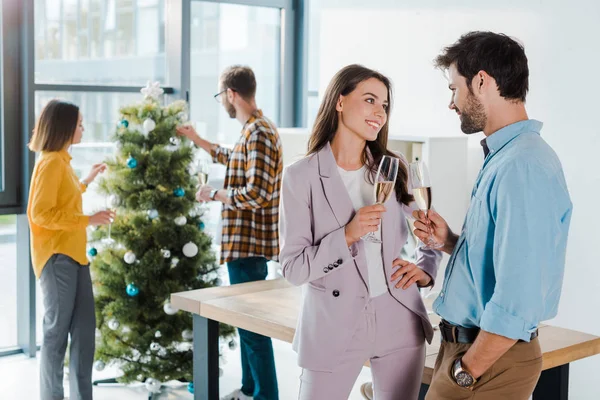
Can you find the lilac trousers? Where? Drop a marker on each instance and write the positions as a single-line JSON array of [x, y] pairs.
[[391, 337]]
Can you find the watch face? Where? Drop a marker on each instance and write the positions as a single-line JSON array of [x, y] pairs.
[[463, 379]]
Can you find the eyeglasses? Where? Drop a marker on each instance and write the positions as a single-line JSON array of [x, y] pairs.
[[218, 95]]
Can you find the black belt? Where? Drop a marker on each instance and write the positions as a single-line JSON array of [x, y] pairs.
[[458, 334]]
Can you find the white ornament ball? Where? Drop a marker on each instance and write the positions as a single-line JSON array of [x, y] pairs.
[[99, 365], [175, 141], [174, 262], [169, 309], [157, 334], [152, 214], [153, 385], [154, 346], [129, 257], [232, 345], [187, 334], [165, 253], [180, 221], [190, 250], [149, 125], [162, 352], [113, 324]]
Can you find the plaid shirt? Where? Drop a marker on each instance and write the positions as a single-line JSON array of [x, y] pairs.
[[253, 180]]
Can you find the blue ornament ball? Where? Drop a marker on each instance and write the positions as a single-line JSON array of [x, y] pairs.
[[179, 192], [191, 387], [93, 252], [124, 123], [201, 225], [132, 162], [132, 290]]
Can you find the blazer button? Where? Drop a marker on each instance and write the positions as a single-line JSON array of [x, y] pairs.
[[336, 293], [339, 261], [326, 270], [330, 266], [335, 265]]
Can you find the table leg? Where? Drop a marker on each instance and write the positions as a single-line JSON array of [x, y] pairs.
[[553, 384], [423, 391], [206, 359]]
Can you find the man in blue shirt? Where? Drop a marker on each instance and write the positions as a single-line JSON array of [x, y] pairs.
[[506, 267]]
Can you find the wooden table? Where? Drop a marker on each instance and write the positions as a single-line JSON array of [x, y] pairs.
[[271, 308]]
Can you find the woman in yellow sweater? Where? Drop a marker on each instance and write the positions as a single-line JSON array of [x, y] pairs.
[[58, 250]]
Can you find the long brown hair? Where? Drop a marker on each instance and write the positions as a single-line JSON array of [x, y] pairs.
[[55, 127], [326, 124]]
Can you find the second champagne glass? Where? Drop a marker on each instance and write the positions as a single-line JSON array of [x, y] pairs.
[[421, 188], [203, 168], [112, 202], [385, 181]]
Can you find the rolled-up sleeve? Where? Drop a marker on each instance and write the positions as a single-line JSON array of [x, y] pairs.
[[220, 154], [262, 159], [525, 232]]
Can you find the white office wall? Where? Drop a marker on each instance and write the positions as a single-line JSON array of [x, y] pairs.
[[400, 38]]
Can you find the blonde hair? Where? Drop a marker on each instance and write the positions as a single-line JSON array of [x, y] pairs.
[[55, 127]]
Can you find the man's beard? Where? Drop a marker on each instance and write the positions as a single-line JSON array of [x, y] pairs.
[[230, 109], [473, 116]]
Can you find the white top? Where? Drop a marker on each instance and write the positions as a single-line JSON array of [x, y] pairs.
[[362, 194]]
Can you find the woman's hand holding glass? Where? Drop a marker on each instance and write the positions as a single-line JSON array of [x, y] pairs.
[[366, 220]]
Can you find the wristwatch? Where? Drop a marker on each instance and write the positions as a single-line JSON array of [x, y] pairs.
[[213, 193], [462, 377]]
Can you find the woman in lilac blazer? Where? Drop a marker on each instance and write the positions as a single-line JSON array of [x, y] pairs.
[[352, 310]]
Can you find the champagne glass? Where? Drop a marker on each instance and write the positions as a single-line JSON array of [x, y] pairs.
[[203, 169], [385, 181], [421, 188], [112, 202]]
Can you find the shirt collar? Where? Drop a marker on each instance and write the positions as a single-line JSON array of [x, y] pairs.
[[64, 154], [255, 115], [501, 137]]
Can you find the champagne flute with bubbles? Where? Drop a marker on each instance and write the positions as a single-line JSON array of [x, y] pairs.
[[112, 202], [421, 188], [385, 181]]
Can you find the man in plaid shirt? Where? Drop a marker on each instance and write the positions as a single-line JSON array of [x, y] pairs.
[[250, 214]]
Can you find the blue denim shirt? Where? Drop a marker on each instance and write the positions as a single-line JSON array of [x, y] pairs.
[[506, 271]]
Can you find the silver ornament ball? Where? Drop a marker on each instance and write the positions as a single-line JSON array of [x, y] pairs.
[[180, 221], [99, 365], [113, 324], [129, 257], [187, 334], [153, 385], [169, 309]]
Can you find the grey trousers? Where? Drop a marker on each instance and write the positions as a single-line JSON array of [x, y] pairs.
[[69, 303]]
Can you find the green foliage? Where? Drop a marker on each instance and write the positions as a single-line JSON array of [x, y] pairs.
[[161, 168]]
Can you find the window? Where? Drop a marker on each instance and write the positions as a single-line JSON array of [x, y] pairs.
[[223, 35], [8, 281], [115, 42]]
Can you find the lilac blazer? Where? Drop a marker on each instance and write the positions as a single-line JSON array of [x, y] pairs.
[[315, 207]]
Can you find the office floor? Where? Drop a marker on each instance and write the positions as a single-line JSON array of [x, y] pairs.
[[19, 379]]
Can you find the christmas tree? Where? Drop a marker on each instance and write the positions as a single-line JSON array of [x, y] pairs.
[[156, 246]]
